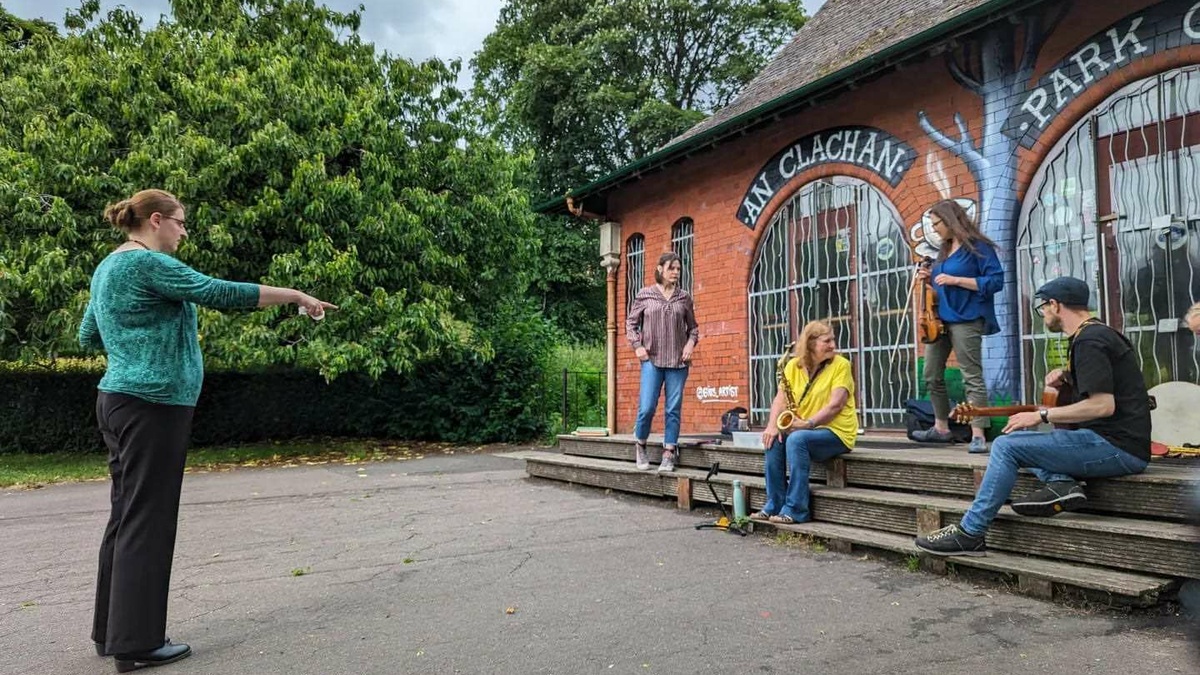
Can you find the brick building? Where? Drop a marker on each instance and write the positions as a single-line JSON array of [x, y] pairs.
[[1072, 130]]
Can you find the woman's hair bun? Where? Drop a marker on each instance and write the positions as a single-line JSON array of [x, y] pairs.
[[122, 215]]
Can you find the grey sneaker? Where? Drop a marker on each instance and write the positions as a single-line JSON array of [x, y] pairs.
[[932, 435], [1051, 500], [952, 540], [668, 461], [978, 446], [643, 457]]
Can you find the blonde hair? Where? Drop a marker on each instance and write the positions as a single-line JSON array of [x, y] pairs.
[[1192, 313], [813, 330], [129, 214]]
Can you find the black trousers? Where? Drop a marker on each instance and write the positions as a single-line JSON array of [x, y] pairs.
[[147, 444]]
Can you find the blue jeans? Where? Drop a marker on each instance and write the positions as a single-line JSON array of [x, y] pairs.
[[802, 447], [1054, 456], [653, 380]]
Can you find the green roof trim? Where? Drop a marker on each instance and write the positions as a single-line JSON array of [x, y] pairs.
[[734, 124]]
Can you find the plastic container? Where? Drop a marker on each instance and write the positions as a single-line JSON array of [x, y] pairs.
[[747, 439]]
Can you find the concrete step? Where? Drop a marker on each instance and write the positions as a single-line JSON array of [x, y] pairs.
[[1138, 545], [1165, 490], [1034, 576]]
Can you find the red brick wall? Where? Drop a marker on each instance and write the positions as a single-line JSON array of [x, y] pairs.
[[709, 188]]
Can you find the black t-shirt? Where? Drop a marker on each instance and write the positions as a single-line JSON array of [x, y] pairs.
[[1103, 362]]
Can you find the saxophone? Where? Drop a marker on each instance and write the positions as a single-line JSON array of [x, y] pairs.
[[788, 416]]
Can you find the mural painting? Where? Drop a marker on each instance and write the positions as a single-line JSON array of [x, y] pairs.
[[1017, 110]]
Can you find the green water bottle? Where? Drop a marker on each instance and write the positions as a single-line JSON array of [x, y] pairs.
[[739, 500]]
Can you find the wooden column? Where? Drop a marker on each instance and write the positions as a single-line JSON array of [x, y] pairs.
[[835, 472], [683, 493]]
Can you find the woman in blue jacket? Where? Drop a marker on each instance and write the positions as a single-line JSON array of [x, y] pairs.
[[966, 276]]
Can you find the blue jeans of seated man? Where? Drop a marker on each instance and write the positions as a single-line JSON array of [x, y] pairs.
[[654, 380], [802, 448], [1053, 456]]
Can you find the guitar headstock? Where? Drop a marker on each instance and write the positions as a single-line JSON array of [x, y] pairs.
[[964, 413]]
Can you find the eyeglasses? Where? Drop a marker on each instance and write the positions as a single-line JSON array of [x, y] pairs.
[[181, 221], [1040, 306]]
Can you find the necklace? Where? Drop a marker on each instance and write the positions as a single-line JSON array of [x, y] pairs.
[[143, 245]]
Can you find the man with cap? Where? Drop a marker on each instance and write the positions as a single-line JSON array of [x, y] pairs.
[[1111, 416]]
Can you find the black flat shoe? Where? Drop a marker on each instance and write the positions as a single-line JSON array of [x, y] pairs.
[[100, 648], [168, 653]]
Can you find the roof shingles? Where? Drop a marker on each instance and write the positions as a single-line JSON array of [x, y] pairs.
[[841, 33]]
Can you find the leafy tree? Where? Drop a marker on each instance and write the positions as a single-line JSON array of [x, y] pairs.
[[17, 32], [588, 86], [594, 84], [306, 159]]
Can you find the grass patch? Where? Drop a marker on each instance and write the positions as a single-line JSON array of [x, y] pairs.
[[33, 471], [795, 540]]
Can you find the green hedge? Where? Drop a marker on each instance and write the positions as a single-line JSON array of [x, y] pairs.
[[461, 398], [459, 401]]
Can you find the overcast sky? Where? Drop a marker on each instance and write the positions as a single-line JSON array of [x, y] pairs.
[[415, 29]]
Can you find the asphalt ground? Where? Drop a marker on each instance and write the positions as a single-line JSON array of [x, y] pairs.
[[461, 564]]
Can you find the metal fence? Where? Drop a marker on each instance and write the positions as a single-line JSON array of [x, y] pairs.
[[581, 401]]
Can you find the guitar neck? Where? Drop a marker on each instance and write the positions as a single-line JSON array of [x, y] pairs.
[[996, 411]]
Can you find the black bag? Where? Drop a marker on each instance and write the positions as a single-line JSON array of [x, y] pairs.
[[729, 420], [918, 416]]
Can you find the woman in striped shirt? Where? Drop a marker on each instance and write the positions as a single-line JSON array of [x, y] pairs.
[[662, 329]]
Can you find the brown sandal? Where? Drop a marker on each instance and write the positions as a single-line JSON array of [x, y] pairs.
[[760, 515], [783, 520]]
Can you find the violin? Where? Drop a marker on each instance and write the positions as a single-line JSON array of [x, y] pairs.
[[929, 326]]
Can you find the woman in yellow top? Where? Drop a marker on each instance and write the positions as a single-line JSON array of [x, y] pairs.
[[825, 425]]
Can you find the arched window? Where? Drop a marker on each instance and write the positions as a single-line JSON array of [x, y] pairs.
[[836, 251], [681, 243], [1115, 203], [635, 268]]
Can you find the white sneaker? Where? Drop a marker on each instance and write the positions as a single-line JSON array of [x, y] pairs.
[[668, 461]]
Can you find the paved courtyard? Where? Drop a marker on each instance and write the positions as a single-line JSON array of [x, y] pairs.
[[460, 564]]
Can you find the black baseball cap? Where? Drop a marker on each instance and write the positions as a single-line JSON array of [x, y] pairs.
[[1068, 291]]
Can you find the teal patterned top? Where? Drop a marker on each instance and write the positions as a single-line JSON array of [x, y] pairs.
[[142, 312]]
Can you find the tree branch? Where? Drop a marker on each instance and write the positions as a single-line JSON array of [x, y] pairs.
[[935, 134], [964, 148], [1035, 37], [970, 153], [962, 77]]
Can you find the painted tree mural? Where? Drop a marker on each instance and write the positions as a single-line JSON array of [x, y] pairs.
[[989, 68]]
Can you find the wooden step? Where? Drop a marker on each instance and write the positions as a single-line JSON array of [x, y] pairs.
[[1162, 491], [1139, 545], [1035, 576]]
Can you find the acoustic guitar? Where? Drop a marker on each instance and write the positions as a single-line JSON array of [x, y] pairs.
[[1052, 397]]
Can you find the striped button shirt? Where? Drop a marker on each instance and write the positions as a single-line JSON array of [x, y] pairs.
[[662, 325]]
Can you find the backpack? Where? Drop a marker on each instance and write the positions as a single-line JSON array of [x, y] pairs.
[[729, 420]]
